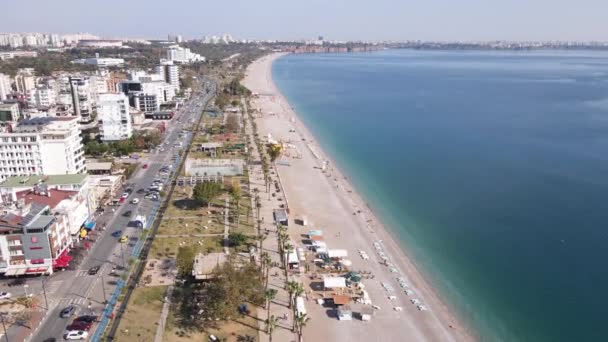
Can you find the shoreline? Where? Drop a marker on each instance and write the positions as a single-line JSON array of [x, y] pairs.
[[440, 323]]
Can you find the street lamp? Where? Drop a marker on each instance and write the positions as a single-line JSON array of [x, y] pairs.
[[4, 326], [46, 303]]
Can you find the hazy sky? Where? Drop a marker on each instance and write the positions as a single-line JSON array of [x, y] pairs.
[[334, 19]]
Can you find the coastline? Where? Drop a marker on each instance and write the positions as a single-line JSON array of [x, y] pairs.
[[439, 323]]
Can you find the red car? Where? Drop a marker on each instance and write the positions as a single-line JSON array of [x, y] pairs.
[[145, 166], [79, 326]]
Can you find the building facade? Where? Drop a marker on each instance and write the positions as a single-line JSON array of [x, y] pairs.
[[42, 145], [113, 112], [81, 98]]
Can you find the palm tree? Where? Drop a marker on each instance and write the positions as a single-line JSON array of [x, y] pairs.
[[261, 238], [236, 195], [287, 248], [297, 292], [271, 324], [301, 319], [291, 288], [267, 262], [269, 295]]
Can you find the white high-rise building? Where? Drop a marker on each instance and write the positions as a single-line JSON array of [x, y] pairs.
[[43, 97], [170, 72], [45, 145], [5, 86], [183, 55], [25, 81], [81, 98], [113, 111]]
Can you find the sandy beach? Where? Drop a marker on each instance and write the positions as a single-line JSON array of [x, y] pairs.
[[329, 202]]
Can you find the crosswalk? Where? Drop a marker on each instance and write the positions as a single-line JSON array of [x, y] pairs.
[[82, 273], [63, 302]]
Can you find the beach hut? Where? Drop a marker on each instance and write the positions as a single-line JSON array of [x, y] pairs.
[[280, 217], [292, 260], [312, 233]]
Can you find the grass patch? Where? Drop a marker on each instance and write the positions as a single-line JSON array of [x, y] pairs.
[[195, 225], [167, 247], [140, 319]]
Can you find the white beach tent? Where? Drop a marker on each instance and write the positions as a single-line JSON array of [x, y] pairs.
[[337, 253], [300, 308], [334, 282]]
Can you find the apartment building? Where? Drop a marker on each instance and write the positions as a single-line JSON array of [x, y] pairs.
[[33, 243], [9, 113], [5, 87], [80, 88], [170, 73], [113, 112], [44, 145]]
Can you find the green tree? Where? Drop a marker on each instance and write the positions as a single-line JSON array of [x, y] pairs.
[[269, 295], [206, 192], [185, 261], [236, 195], [237, 239], [301, 320], [271, 324]]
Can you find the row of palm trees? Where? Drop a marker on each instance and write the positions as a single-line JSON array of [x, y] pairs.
[[294, 288]]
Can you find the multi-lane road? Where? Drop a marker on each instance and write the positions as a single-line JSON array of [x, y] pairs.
[[88, 292]]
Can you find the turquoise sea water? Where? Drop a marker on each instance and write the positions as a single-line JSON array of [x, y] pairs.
[[491, 167]]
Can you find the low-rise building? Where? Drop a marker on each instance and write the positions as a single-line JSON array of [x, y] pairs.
[[9, 112], [224, 167]]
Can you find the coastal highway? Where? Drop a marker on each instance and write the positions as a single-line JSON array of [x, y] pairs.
[[79, 288]]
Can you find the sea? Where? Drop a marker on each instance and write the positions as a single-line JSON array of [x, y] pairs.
[[491, 168]]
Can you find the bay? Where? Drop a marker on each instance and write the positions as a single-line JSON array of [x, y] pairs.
[[490, 167]]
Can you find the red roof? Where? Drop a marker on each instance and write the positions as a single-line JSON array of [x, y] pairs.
[[56, 196]]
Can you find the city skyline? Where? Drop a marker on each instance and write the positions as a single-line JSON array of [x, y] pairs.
[[437, 20]]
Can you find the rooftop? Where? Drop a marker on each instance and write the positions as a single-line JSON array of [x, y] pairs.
[[54, 197], [28, 181], [204, 264]]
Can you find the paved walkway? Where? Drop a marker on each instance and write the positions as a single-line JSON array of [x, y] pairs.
[[226, 226], [160, 328], [279, 306]]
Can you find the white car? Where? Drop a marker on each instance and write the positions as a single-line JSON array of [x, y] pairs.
[[5, 295], [125, 195], [135, 201], [76, 335]]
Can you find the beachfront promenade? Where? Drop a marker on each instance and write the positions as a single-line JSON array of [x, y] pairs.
[[331, 204]]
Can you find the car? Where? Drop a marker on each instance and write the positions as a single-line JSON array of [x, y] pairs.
[[86, 318], [16, 282], [68, 311], [79, 326], [122, 200], [141, 190], [116, 233], [123, 239], [135, 201], [127, 213], [5, 295], [76, 335], [129, 190], [145, 166], [93, 270], [50, 339]]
